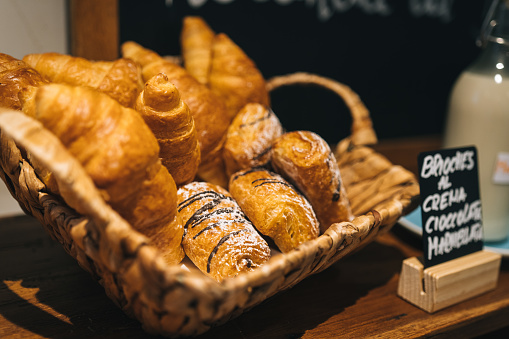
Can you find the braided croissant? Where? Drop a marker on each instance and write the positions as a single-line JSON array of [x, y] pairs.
[[121, 155], [171, 122], [207, 109], [234, 76], [120, 79], [196, 41]]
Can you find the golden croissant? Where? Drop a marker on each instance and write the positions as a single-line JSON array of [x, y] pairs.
[[120, 79], [207, 109], [16, 76], [169, 118], [196, 42], [234, 76], [18, 82], [121, 155]]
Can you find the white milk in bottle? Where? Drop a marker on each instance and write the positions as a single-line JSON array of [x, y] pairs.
[[479, 115]]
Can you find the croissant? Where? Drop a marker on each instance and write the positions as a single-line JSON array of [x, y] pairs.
[[207, 109], [121, 155], [196, 42], [169, 118], [18, 83], [234, 76], [120, 79], [16, 76], [250, 137], [218, 238], [275, 207], [306, 160]]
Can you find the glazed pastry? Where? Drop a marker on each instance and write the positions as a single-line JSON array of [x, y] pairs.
[[307, 161], [274, 207], [218, 238], [207, 109], [196, 42], [169, 118], [121, 155], [15, 77], [249, 138], [120, 79], [235, 77]]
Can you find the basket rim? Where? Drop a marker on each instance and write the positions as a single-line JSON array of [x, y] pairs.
[[133, 272]]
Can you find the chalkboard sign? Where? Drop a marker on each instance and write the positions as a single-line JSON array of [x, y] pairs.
[[450, 203], [401, 56]]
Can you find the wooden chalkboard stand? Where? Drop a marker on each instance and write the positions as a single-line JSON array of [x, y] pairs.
[[448, 283]]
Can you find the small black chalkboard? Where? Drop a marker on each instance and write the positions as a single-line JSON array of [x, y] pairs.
[[450, 203]]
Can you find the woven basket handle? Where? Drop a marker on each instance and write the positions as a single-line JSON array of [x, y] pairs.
[[362, 132]]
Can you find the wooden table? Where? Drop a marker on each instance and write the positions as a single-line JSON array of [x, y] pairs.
[[44, 293]]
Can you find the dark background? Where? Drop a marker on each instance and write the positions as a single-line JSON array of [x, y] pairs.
[[401, 57]]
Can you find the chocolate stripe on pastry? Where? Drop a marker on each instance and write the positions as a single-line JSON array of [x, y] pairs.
[[262, 153], [222, 241], [211, 217], [199, 196], [219, 223], [265, 181], [257, 121]]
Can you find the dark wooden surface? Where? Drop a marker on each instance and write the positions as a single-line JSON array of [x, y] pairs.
[[44, 293]]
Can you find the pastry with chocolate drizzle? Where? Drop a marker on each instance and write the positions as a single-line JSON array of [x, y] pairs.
[[306, 160], [275, 207], [218, 238], [249, 137]]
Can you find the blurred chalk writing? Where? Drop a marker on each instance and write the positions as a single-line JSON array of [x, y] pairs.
[[325, 9], [401, 56]]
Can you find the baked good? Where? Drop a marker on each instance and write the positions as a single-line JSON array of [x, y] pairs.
[[18, 83], [275, 207], [120, 79], [15, 77], [218, 238], [168, 117], [306, 160], [196, 42], [250, 137], [121, 155], [235, 77], [207, 109]]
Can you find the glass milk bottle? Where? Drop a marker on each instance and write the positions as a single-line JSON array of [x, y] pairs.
[[479, 115]]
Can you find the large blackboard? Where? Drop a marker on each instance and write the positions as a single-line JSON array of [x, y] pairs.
[[401, 57]]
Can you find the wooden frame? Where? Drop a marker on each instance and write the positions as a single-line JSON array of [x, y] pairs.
[[94, 29], [448, 283]]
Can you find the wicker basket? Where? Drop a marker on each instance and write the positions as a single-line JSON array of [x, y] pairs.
[[178, 300]]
